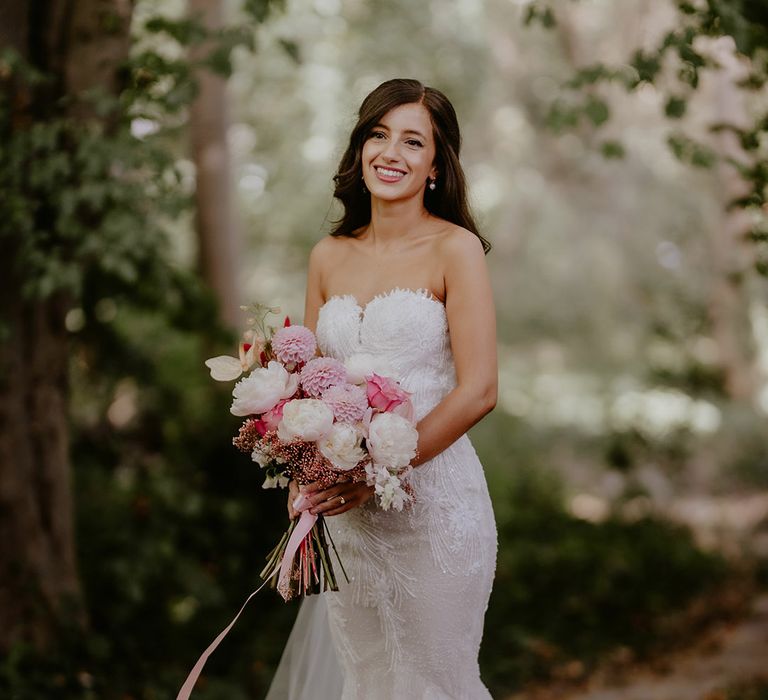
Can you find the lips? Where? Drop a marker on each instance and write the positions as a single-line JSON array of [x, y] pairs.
[[389, 175]]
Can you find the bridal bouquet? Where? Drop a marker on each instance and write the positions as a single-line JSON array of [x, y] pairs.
[[315, 419]]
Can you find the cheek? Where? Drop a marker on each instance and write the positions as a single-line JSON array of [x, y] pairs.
[[369, 151]]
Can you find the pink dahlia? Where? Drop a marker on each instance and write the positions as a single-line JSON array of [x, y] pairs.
[[347, 401], [321, 373], [294, 344]]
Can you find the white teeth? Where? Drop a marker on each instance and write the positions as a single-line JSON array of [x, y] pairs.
[[389, 173]]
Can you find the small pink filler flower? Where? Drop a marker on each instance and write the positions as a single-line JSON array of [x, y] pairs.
[[321, 373], [385, 394], [294, 344], [348, 402]]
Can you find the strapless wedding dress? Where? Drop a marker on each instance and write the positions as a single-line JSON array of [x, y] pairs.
[[408, 625]]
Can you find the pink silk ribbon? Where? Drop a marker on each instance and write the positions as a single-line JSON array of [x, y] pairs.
[[302, 529], [306, 523]]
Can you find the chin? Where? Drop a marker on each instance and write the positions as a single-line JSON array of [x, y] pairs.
[[390, 195]]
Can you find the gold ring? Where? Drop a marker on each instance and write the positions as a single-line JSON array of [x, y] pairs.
[[343, 501]]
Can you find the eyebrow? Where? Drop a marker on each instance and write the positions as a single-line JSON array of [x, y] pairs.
[[407, 131]]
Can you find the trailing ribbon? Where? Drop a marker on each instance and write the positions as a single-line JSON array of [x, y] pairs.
[[305, 524]]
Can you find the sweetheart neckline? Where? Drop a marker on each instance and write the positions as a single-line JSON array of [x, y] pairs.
[[421, 292]]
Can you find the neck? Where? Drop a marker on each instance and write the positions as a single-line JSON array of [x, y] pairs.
[[392, 221]]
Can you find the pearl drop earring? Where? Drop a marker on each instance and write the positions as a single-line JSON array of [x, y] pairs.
[[432, 185]]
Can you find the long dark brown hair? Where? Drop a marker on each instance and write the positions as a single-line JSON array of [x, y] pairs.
[[448, 201]]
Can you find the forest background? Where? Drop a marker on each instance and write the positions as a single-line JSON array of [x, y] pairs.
[[162, 163]]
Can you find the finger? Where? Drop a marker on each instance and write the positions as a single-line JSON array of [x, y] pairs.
[[349, 490], [309, 488], [325, 495], [352, 500], [332, 504], [341, 509]]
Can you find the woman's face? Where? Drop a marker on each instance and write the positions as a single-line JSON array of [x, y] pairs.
[[399, 154]]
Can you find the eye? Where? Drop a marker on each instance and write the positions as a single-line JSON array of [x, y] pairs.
[[415, 142], [378, 135]]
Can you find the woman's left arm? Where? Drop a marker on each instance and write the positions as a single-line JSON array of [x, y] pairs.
[[472, 328]]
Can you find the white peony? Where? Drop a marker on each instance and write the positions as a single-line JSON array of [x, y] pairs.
[[392, 440], [262, 389], [363, 364], [341, 447], [305, 419]]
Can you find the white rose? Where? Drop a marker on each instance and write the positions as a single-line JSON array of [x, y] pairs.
[[262, 389], [363, 364], [392, 440], [305, 419], [341, 447]]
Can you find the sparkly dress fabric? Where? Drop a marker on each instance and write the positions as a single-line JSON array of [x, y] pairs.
[[408, 625]]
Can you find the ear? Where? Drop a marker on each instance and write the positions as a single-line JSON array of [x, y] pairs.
[[433, 173]]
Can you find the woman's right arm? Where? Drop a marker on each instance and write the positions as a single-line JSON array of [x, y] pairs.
[[313, 302], [315, 282]]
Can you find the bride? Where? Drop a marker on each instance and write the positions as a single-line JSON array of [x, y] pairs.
[[403, 277]]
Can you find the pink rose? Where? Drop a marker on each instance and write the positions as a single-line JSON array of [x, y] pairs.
[[385, 394], [273, 416]]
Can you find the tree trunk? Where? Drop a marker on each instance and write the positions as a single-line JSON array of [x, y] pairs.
[[215, 224], [39, 584], [728, 305], [80, 44]]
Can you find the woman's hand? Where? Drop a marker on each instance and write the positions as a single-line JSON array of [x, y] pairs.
[[293, 494], [337, 499]]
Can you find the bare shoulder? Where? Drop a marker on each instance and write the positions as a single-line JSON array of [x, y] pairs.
[[327, 251], [459, 245], [465, 272], [326, 247]]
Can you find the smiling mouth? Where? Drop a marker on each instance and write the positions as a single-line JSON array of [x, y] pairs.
[[389, 174]]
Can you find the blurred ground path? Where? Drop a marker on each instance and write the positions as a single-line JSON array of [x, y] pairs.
[[741, 655], [731, 653], [735, 655]]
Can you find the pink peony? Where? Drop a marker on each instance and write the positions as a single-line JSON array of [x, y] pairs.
[[347, 401], [294, 344], [271, 419], [321, 373], [385, 394]]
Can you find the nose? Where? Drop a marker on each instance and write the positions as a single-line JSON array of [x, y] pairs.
[[391, 152]]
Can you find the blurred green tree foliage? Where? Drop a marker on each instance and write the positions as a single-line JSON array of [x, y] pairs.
[[85, 210], [689, 46]]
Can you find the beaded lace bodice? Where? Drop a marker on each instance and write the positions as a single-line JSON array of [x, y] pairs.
[[425, 571], [408, 327]]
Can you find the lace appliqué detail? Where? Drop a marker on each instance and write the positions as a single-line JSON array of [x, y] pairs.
[[409, 622]]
